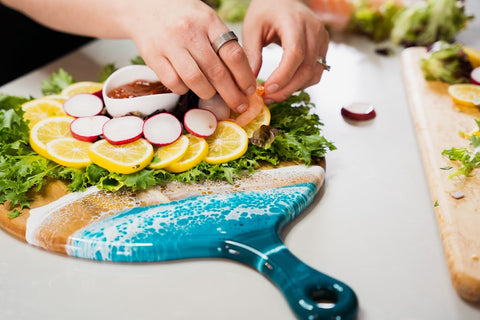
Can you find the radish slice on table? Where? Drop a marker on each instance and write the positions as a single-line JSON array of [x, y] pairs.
[[359, 111], [475, 76], [88, 128], [162, 129], [200, 122], [123, 130], [217, 105], [83, 105]]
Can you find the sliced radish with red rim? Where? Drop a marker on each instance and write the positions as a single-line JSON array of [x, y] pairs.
[[200, 122], [88, 128], [162, 129], [359, 111], [83, 105], [123, 129], [475, 76]]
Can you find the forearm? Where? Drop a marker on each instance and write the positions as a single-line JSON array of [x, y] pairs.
[[92, 18]]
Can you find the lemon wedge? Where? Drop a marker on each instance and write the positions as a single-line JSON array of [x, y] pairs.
[[473, 56], [81, 87], [263, 118], [69, 152], [465, 93], [166, 155], [125, 158], [196, 152], [229, 142], [38, 109], [47, 130]]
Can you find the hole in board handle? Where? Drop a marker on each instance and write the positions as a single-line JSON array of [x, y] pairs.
[[324, 298]]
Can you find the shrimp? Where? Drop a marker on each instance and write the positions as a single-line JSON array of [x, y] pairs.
[[335, 13], [255, 106]]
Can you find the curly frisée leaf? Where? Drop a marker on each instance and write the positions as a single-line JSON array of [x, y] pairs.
[[57, 82]]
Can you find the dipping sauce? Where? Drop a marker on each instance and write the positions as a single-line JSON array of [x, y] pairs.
[[138, 88]]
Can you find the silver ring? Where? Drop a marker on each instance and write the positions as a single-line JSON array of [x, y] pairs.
[[323, 62], [222, 39]]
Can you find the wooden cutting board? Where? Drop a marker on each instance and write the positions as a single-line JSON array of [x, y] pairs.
[[437, 122]]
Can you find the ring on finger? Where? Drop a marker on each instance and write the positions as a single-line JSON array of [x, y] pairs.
[[323, 62], [223, 39]]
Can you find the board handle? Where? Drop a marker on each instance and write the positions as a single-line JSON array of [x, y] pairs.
[[310, 293]]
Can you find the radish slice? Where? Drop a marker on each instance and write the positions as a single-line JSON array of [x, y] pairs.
[[83, 105], [99, 94], [475, 76], [359, 111], [123, 129], [88, 128], [162, 129], [216, 105], [200, 122]]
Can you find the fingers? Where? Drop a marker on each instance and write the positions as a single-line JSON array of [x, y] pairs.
[[252, 45], [308, 72], [228, 72], [293, 57], [235, 59]]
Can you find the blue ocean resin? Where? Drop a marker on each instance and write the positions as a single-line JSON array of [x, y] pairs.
[[191, 227], [242, 226]]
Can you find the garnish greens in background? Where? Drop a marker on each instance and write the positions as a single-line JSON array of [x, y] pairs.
[[446, 62], [418, 24], [294, 134], [469, 159]]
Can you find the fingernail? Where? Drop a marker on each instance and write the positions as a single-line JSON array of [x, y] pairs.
[[250, 91], [242, 108], [268, 101], [271, 88]]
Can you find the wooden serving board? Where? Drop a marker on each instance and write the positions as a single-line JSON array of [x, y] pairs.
[[438, 121], [239, 221]]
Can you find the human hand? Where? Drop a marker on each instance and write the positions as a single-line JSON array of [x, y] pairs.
[[175, 39], [302, 36]]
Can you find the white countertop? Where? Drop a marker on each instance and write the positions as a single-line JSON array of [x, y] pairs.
[[373, 227]]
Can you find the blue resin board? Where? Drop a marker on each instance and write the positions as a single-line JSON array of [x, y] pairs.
[[239, 221]]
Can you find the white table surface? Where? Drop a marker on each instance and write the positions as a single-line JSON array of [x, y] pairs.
[[373, 227]]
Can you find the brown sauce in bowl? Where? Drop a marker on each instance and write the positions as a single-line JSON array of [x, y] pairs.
[[138, 88]]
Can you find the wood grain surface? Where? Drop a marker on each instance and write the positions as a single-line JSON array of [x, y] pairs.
[[438, 121]]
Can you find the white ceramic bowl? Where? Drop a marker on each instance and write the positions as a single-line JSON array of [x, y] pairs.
[[143, 105]]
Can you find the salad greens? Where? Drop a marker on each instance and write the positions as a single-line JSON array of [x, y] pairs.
[[469, 160], [425, 22], [298, 138], [57, 82], [375, 23], [446, 62]]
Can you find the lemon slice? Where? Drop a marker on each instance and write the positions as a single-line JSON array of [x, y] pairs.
[[196, 152], [169, 154], [39, 109], [69, 152], [47, 130], [81, 87], [56, 97], [465, 93], [125, 158], [262, 119], [229, 142], [473, 56]]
